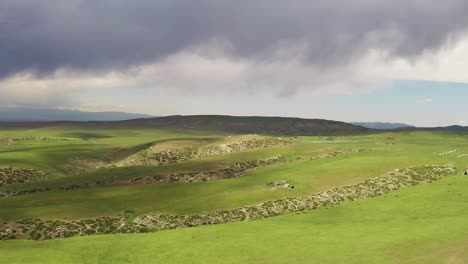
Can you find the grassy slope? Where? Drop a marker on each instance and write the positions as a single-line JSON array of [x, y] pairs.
[[424, 224], [92, 143], [308, 177], [228, 124]]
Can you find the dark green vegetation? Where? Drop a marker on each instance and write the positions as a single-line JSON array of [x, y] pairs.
[[260, 125], [228, 124], [347, 205]]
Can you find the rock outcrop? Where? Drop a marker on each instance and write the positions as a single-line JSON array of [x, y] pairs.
[[155, 156]]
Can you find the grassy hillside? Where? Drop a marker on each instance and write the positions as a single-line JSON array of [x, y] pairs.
[[300, 168], [424, 224], [79, 174], [228, 124], [260, 125]]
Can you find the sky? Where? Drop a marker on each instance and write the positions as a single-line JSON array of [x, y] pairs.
[[362, 60]]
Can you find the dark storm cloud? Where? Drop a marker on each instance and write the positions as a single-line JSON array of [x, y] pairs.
[[45, 35]]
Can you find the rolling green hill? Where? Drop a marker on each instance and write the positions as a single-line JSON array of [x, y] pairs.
[[424, 224], [142, 176], [227, 124], [255, 124]]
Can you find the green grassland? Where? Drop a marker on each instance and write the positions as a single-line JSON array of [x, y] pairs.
[[423, 224], [401, 227]]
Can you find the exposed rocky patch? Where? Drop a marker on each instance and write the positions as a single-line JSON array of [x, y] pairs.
[[329, 155], [38, 229], [359, 150], [281, 183], [12, 175], [11, 141], [278, 183], [369, 188], [22, 192], [154, 156], [333, 154], [233, 171], [47, 229]]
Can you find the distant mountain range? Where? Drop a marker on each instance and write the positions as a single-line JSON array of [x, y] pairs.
[[382, 125], [448, 128], [39, 117], [47, 115]]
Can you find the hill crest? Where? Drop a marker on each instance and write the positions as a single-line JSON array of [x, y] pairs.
[[253, 124], [230, 124]]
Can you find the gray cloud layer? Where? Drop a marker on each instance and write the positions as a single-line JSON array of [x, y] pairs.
[[89, 35]]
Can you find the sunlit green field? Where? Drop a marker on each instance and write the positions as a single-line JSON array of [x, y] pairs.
[[424, 224], [421, 224]]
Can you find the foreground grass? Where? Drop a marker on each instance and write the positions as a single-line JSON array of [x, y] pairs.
[[423, 224]]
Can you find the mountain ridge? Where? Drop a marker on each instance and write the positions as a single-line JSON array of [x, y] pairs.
[[232, 124], [271, 125], [26, 114], [382, 125]]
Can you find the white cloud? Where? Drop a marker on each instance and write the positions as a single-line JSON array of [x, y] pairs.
[[212, 69]]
